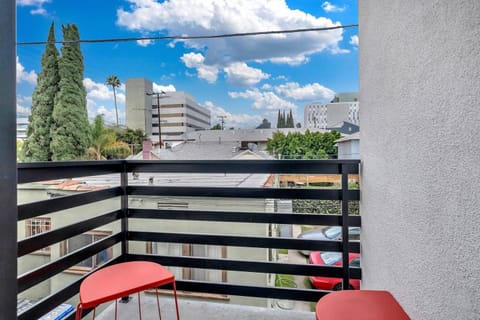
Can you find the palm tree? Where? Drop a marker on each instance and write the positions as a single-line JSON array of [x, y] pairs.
[[114, 81]]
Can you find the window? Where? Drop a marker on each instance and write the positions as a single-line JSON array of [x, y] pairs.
[[36, 226], [193, 250], [83, 240]]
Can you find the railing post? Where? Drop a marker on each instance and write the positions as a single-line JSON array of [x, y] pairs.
[[124, 207], [345, 224], [8, 162]]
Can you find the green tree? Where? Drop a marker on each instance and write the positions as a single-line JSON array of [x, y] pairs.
[[290, 122], [133, 138], [114, 81], [70, 132], [101, 138], [217, 127], [310, 145], [105, 144], [279, 120], [37, 143]]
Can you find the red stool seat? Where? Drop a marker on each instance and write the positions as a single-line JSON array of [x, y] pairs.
[[359, 305], [120, 280]]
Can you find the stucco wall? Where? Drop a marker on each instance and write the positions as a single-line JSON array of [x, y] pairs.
[[419, 88]]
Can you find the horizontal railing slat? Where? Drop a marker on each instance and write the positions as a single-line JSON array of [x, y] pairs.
[[251, 291], [48, 238], [248, 217], [29, 279], [244, 166], [247, 265], [38, 208], [242, 241], [40, 171], [265, 193]]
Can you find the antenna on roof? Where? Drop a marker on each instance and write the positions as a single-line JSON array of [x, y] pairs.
[[222, 120]]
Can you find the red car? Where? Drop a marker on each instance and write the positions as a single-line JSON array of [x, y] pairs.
[[326, 258]]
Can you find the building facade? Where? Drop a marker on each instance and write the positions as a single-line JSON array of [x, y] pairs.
[[22, 126], [179, 113], [344, 107]]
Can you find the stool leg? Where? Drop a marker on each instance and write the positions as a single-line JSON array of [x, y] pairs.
[[176, 301], [115, 309], [139, 308], [94, 310], [78, 314], [158, 304]]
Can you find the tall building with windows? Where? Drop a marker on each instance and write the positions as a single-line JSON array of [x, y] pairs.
[[22, 125], [179, 113], [344, 107]]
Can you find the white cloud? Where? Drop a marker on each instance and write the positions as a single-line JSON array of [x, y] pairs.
[[328, 7], [25, 76], [39, 10], [144, 43], [354, 41], [97, 90], [100, 100], [239, 73], [293, 61], [312, 91], [21, 102], [102, 91], [236, 120], [196, 60], [180, 17], [263, 100], [160, 88], [23, 110]]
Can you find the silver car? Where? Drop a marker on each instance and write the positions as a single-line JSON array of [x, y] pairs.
[[329, 233]]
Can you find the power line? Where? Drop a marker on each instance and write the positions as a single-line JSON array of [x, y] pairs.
[[226, 35]]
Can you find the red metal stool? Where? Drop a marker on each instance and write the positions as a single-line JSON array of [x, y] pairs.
[[359, 305], [123, 279]]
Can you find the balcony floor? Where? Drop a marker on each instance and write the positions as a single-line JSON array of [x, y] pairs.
[[196, 309]]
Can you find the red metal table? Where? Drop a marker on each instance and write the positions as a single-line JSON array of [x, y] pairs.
[[120, 280], [359, 305]]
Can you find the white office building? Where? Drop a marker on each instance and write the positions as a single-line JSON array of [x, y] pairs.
[[179, 113], [344, 107]]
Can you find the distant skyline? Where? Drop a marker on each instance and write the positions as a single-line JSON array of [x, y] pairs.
[[245, 79]]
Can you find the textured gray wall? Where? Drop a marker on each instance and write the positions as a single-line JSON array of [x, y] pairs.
[[420, 94], [138, 106]]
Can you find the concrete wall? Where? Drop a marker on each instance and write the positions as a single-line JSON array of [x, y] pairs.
[[419, 88], [138, 106]]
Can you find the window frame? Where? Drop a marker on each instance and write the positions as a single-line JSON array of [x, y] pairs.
[[64, 250], [32, 229]]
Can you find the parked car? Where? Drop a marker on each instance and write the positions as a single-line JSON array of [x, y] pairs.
[[326, 258], [329, 233]]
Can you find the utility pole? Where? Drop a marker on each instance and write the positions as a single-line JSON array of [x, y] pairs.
[[222, 120], [157, 94]]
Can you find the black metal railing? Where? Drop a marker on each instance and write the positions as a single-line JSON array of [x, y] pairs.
[[33, 172]]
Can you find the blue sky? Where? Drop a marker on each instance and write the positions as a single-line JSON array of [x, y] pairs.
[[245, 78]]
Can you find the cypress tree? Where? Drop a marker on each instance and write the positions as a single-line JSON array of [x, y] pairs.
[[290, 122], [37, 143], [70, 132]]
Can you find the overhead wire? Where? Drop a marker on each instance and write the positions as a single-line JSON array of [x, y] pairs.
[[155, 38]]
